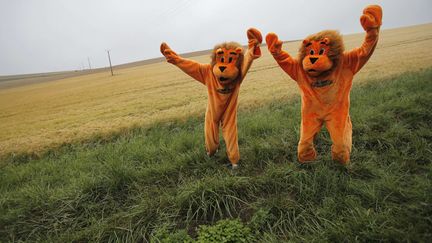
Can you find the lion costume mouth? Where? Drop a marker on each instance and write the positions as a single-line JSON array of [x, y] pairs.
[[222, 79]]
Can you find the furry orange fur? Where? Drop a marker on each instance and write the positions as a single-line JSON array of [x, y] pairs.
[[324, 73], [223, 77]]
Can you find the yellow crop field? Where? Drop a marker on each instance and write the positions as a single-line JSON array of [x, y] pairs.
[[38, 116]]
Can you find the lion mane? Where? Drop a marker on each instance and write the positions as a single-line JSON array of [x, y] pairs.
[[336, 45], [229, 46]]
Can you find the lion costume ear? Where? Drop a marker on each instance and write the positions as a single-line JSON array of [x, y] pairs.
[[238, 50], [306, 42], [326, 41]]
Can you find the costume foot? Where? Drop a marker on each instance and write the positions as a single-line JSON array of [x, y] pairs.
[[343, 158], [344, 163], [307, 162], [232, 166], [212, 154], [305, 157]]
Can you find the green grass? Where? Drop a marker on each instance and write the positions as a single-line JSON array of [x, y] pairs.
[[155, 184]]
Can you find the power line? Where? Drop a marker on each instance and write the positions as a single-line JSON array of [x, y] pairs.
[[168, 13], [183, 7]]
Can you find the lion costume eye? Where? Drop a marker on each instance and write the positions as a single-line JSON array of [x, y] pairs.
[[222, 59], [321, 51], [230, 60], [311, 52]]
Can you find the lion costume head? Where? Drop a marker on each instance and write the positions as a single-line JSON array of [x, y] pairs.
[[226, 60], [319, 53]]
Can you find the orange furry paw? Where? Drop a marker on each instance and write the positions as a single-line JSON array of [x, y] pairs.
[[274, 45], [371, 18], [253, 33], [169, 54], [255, 39]]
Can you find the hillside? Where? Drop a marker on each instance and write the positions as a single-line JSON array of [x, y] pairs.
[[156, 184], [41, 116]]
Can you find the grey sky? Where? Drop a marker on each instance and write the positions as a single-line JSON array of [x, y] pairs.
[[55, 35]]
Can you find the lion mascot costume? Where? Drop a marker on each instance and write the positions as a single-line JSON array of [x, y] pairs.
[[223, 77], [324, 74]]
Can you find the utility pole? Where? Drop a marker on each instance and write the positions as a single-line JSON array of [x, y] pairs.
[[88, 59], [109, 58]]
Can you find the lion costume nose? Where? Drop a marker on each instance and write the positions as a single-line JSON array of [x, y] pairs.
[[222, 68], [313, 59]]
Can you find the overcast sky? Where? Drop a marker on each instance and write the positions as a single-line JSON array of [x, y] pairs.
[[56, 35]]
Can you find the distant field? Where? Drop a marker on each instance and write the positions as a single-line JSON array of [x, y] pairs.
[[43, 115], [13, 81]]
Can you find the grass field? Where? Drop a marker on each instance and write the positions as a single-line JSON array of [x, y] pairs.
[[156, 184], [38, 117]]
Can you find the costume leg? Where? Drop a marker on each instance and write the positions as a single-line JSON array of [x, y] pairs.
[[211, 134], [308, 130], [340, 129], [229, 132]]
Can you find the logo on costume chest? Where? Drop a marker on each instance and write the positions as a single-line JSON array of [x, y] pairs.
[[321, 83], [225, 90]]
